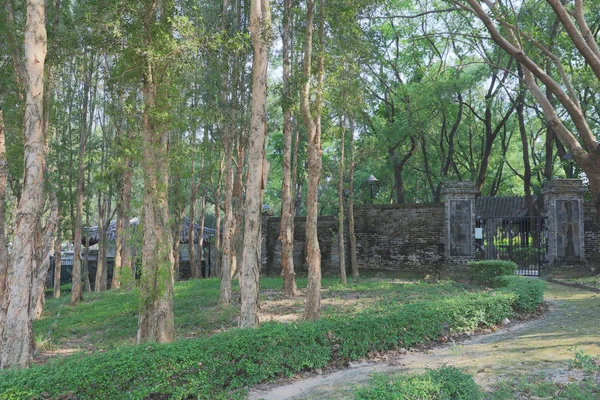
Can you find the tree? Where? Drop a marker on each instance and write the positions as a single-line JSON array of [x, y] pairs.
[[524, 47], [16, 334], [287, 215], [312, 120], [261, 33]]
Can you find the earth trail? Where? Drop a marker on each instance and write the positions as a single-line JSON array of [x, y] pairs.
[[539, 347]]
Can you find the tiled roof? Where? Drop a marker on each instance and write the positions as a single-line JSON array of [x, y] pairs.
[[511, 207]]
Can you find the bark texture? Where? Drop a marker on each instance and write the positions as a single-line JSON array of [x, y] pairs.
[[16, 334], [351, 229], [3, 184], [156, 319], [341, 246], [262, 36], [312, 120], [287, 215]]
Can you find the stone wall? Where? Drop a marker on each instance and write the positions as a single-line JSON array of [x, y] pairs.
[[402, 238], [328, 243], [592, 236], [408, 238]]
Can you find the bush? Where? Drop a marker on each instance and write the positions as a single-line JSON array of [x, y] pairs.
[[529, 291], [222, 365], [444, 383], [485, 272]]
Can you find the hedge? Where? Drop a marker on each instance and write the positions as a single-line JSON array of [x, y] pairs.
[[529, 291], [222, 365], [486, 272]]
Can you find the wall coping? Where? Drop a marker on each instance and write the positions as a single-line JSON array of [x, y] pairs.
[[564, 186]]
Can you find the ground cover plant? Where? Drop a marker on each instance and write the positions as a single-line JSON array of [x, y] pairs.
[[445, 383], [223, 364], [109, 319], [587, 387]]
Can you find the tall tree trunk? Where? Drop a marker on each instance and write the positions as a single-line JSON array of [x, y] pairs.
[[312, 120], [201, 238], [351, 228], [341, 245], [524, 142], [3, 183], [262, 35], [87, 286], [117, 263], [228, 223], [16, 333], [156, 319], [217, 204], [76, 290], [38, 297], [100, 281], [126, 262], [286, 228], [238, 205], [57, 257], [192, 213]]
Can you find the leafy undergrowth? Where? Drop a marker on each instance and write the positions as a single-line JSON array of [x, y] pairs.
[[224, 364], [445, 383], [450, 383], [109, 319], [585, 387]]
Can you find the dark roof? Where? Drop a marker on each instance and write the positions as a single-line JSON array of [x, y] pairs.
[[510, 207], [111, 232]]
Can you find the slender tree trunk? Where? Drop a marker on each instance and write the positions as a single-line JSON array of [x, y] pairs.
[[156, 319], [38, 297], [287, 217], [341, 245], [228, 223], [57, 258], [262, 35], [87, 286], [16, 333], [3, 183], [312, 120], [238, 206], [351, 229], [76, 290], [192, 213], [217, 203], [201, 238], [100, 281], [524, 143], [116, 277], [126, 263]]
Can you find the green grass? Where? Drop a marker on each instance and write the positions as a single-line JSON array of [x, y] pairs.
[[444, 383], [591, 281], [223, 364], [109, 319]]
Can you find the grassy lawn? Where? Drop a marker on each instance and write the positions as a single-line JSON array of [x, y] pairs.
[[107, 320], [591, 281]]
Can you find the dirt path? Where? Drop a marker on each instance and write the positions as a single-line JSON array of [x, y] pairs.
[[543, 346]]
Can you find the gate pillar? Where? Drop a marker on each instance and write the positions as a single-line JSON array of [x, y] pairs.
[[563, 206], [459, 200]]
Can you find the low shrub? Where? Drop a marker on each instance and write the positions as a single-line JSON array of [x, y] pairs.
[[444, 383], [485, 272], [529, 292], [222, 365]]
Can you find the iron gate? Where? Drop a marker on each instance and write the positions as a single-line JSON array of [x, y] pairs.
[[522, 240]]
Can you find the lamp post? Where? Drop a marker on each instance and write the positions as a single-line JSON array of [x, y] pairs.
[[371, 180]]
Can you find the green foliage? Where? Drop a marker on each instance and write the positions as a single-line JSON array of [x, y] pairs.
[[485, 272], [222, 365], [529, 291], [444, 383], [540, 387]]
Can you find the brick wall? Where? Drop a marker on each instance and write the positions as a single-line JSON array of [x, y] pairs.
[[591, 225], [404, 238]]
